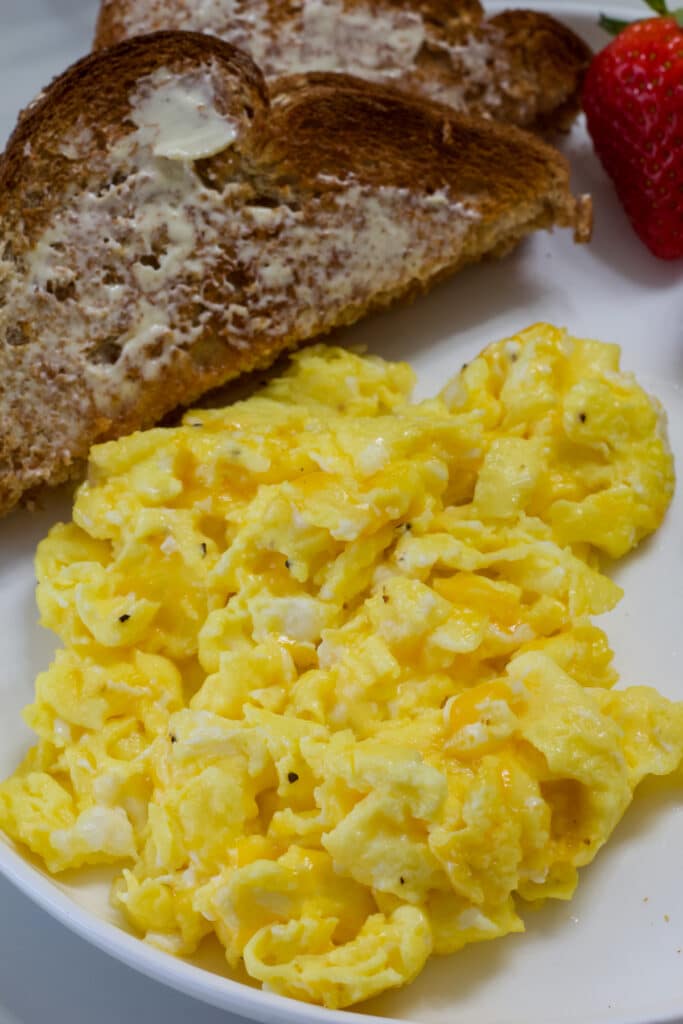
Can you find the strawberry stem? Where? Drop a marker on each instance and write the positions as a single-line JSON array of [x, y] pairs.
[[613, 25]]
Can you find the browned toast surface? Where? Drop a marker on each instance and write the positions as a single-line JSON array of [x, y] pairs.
[[166, 226], [520, 67]]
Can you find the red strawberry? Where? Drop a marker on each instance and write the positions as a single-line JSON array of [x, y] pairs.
[[633, 99]]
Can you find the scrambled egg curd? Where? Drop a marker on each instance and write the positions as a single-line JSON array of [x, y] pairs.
[[329, 685]]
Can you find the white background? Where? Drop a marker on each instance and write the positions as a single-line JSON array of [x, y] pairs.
[[48, 974]]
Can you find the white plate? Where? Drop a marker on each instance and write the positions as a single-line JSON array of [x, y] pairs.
[[614, 953]]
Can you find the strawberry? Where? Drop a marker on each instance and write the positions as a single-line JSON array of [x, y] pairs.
[[633, 100]]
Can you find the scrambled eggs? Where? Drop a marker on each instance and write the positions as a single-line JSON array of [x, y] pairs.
[[329, 684]]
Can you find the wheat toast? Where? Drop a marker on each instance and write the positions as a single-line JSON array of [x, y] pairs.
[[520, 67], [146, 260]]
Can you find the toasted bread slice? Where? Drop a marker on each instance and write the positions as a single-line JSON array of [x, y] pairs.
[[519, 67], [167, 227]]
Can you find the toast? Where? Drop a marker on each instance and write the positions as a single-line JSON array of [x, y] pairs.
[[519, 67], [168, 226]]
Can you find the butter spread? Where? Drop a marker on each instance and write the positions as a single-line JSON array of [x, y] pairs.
[[316, 35], [382, 43], [320, 35], [178, 116], [356, 40]]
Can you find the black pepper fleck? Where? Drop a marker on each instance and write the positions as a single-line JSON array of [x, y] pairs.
[[173, 739], [514, 357], [402, 880], [288, 564], [292, 777], [124, 617], [385, 598], [582, 417], [203, 547]]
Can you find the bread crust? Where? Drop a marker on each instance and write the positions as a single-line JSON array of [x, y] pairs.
[[135, 282], [520, 67]]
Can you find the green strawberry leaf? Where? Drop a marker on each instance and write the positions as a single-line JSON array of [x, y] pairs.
[[658, 6], [613, 25]]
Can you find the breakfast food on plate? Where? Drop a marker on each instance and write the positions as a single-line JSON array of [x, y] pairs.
[[521, 67], [633, 99], [167, 226], [329, 685]]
